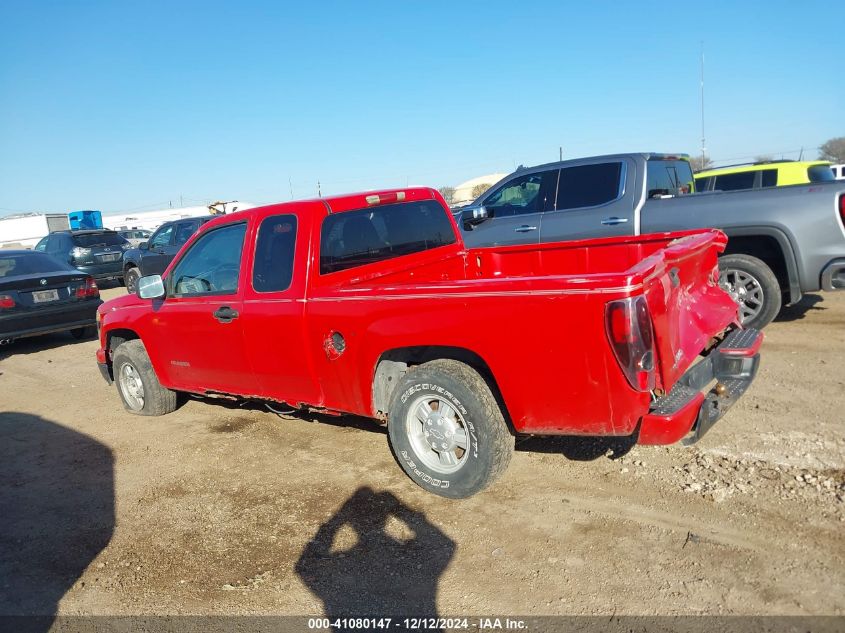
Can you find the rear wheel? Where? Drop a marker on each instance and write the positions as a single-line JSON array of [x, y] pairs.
[[80, 333], [137, 383], [753, 285], [130, 279], [447, 430]]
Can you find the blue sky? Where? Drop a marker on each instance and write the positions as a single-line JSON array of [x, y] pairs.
[[119, 105]]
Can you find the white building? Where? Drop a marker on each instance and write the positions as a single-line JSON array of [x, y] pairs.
[[463, 191], [151, 220]]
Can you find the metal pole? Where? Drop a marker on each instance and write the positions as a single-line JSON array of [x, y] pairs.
[[703, 148]]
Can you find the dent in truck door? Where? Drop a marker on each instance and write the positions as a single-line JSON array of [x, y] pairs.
[[197, 329], [273, 315]]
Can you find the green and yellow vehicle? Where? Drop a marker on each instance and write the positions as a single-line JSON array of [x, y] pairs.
[[777, 173]]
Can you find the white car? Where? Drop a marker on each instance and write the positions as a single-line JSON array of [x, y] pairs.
[[136, 236]]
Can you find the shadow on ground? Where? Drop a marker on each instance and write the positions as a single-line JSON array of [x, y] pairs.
[[57, 509], [798, 311], [376, 556]]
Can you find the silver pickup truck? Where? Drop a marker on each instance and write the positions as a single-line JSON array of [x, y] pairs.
[[783, 241]]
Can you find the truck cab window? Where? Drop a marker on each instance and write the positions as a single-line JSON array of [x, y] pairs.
[[212, 265], [273, 267], [355, 238]]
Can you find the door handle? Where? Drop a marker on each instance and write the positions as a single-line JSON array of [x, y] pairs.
[[225, 314], [525, 228], [612, 221]]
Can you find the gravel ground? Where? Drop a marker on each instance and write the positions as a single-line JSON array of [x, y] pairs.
[[226, 509]]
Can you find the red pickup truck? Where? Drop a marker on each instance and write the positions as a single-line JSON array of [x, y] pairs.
[[371, 304]]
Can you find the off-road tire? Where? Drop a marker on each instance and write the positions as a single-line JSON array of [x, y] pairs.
[[158, 400], [130, 279], [490, 443], [772, 296]]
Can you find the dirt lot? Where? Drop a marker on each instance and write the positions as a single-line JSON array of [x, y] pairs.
[[226, 509]]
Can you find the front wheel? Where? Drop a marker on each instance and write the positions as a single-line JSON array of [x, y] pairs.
[[447, 430], [137, 383], [753, 285], [130, 279]]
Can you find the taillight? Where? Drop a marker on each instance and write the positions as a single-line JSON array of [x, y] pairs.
[[6, 301], [90, 289], [630, 333]]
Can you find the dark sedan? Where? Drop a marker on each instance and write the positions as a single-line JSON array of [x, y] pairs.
[[40, 294]]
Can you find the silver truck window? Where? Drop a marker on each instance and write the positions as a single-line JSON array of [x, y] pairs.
[[669, 177], [589, 185]]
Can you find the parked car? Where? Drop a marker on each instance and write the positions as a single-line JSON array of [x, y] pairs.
[[135, 236], [371, 304], [40, 294], [153, 256], [97, 252], [783, 241], [772, 173]]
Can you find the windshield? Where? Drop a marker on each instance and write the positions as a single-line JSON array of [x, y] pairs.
[[108, 238], [668, 177], [820, 173], [30, 264]]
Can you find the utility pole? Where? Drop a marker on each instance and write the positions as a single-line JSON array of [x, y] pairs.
[[560, 153], [703, 148], [319, 192], [290, 184], [181, 204]]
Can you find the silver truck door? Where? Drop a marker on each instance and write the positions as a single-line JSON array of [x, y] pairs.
[[592, 201], [515, 210]]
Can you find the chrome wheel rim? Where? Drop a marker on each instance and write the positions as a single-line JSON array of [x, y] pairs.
[[438, 434], [131, 387], [745, 289], [130, 282]]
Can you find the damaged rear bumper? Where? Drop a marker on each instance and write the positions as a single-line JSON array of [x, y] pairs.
[[686, 413]]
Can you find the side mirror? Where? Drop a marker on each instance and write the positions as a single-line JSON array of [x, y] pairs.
[[150, 287], [473, 216], [144, 246]]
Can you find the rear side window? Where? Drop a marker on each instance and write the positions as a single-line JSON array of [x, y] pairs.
[[770, 177], [820, 173], [86, 240], [734, 182], [184, 231], [703, 184], [355, 238], [668, 178], [588, 185], [273, 267]]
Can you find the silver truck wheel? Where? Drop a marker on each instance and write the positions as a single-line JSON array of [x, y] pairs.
[[754, 287], [131, 387], [137, 383], [446, 429], [437, 434]]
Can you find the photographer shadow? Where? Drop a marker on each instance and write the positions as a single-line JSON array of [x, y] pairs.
[[376, 557], [57, 509]]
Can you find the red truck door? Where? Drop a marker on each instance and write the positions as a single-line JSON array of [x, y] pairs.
[[198, 326], [274, 311]]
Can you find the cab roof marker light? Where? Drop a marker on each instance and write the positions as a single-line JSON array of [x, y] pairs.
[[375, 198]]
